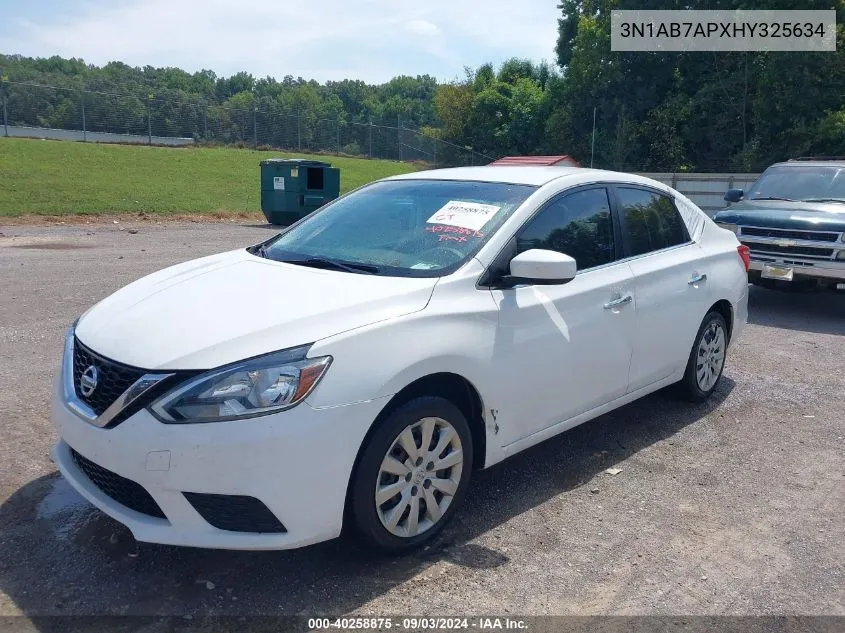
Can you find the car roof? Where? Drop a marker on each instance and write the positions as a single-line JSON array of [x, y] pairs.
[[531, 175], [515, 175], [811, 163]]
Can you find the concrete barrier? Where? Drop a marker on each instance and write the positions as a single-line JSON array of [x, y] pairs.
[[705, 190]]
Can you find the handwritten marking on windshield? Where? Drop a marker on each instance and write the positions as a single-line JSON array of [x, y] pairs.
[[454, 233]]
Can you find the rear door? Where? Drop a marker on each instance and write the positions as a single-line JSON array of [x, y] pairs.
[[670, 282]]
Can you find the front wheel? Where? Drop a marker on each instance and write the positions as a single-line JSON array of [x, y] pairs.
[[707, 358], [412, 474]]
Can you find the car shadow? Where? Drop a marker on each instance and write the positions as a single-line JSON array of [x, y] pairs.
[[820, 312], [59, 555]]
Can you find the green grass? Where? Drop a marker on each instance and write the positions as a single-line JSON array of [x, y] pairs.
[[65, 177]]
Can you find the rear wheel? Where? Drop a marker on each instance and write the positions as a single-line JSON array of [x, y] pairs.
[[707, 358], [412, 475]]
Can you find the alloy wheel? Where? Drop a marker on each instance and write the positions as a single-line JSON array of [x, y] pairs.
[[710, 356], [418, 477]]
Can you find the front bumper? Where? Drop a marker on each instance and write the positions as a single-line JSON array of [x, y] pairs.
[[823, 271], [296, 462]]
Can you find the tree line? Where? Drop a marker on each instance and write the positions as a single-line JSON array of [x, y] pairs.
[[652, 111]]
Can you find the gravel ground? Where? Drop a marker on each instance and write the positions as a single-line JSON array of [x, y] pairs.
[[736, 506]]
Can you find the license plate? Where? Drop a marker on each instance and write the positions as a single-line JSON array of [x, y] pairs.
[[784, 273]]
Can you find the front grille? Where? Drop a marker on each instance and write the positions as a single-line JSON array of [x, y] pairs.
[[125, 491], [808, 251], [112, 378], [235, 513], [813, 236], [774, 260]]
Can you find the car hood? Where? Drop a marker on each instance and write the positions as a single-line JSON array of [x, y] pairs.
[[225, 308], [822, 216]]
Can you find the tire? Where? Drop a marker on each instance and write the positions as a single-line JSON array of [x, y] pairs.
[[414, 480], [701, 378]]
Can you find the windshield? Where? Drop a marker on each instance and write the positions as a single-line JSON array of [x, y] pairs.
[[412, 228], [800, 183]]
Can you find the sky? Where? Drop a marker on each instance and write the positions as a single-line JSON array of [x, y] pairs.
[[372, 40]]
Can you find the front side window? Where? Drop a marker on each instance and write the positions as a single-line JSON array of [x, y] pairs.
[[411, 228], [577, 224], [650, 220]]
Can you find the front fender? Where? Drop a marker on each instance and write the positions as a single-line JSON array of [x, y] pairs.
[[381, 359]]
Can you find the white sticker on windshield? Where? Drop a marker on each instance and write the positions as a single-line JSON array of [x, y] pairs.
[[467, 215]]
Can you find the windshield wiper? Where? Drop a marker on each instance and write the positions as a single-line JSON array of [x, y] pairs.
[[333, 264], [839, 200], [774, 198]]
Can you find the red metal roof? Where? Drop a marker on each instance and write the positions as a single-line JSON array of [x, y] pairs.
[[538, 160]]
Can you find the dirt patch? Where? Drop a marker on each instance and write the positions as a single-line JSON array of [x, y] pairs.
[[53, 246], [33, 219], [730, 507]]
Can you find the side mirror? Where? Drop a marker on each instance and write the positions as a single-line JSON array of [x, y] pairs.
[[734, 195], [541, 267]]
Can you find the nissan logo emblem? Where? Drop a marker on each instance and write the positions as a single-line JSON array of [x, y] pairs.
[[88, 381]]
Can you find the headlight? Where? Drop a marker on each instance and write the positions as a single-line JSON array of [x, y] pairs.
[[247, 389], [730, 227]]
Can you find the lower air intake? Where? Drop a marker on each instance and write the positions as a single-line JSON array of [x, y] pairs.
[[235, 513], [125, 491]]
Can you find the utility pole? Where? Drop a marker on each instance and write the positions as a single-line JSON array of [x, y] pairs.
[[371, 137], [149, 119], [255, 127], [205, 122], [338, 138], [3, 81], [298, 133], [399, 136], [745, 107], [593, 142], [84, 126]]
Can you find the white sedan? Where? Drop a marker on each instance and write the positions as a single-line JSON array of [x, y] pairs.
[[356, 368]]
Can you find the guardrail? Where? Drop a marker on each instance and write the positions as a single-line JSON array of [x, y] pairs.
[[95, 137]]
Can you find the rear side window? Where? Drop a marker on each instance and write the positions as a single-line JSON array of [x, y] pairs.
[[577, 224], [650, 220]]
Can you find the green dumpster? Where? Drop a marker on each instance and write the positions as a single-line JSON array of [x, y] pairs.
[[291, 188]]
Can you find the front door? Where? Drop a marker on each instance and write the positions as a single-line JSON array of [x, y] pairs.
[[561, 350]]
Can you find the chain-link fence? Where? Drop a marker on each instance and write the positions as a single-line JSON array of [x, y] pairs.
[[52, 112]]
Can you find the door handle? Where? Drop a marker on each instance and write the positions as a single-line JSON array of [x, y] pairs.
[[697, 278], [615, 303]]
